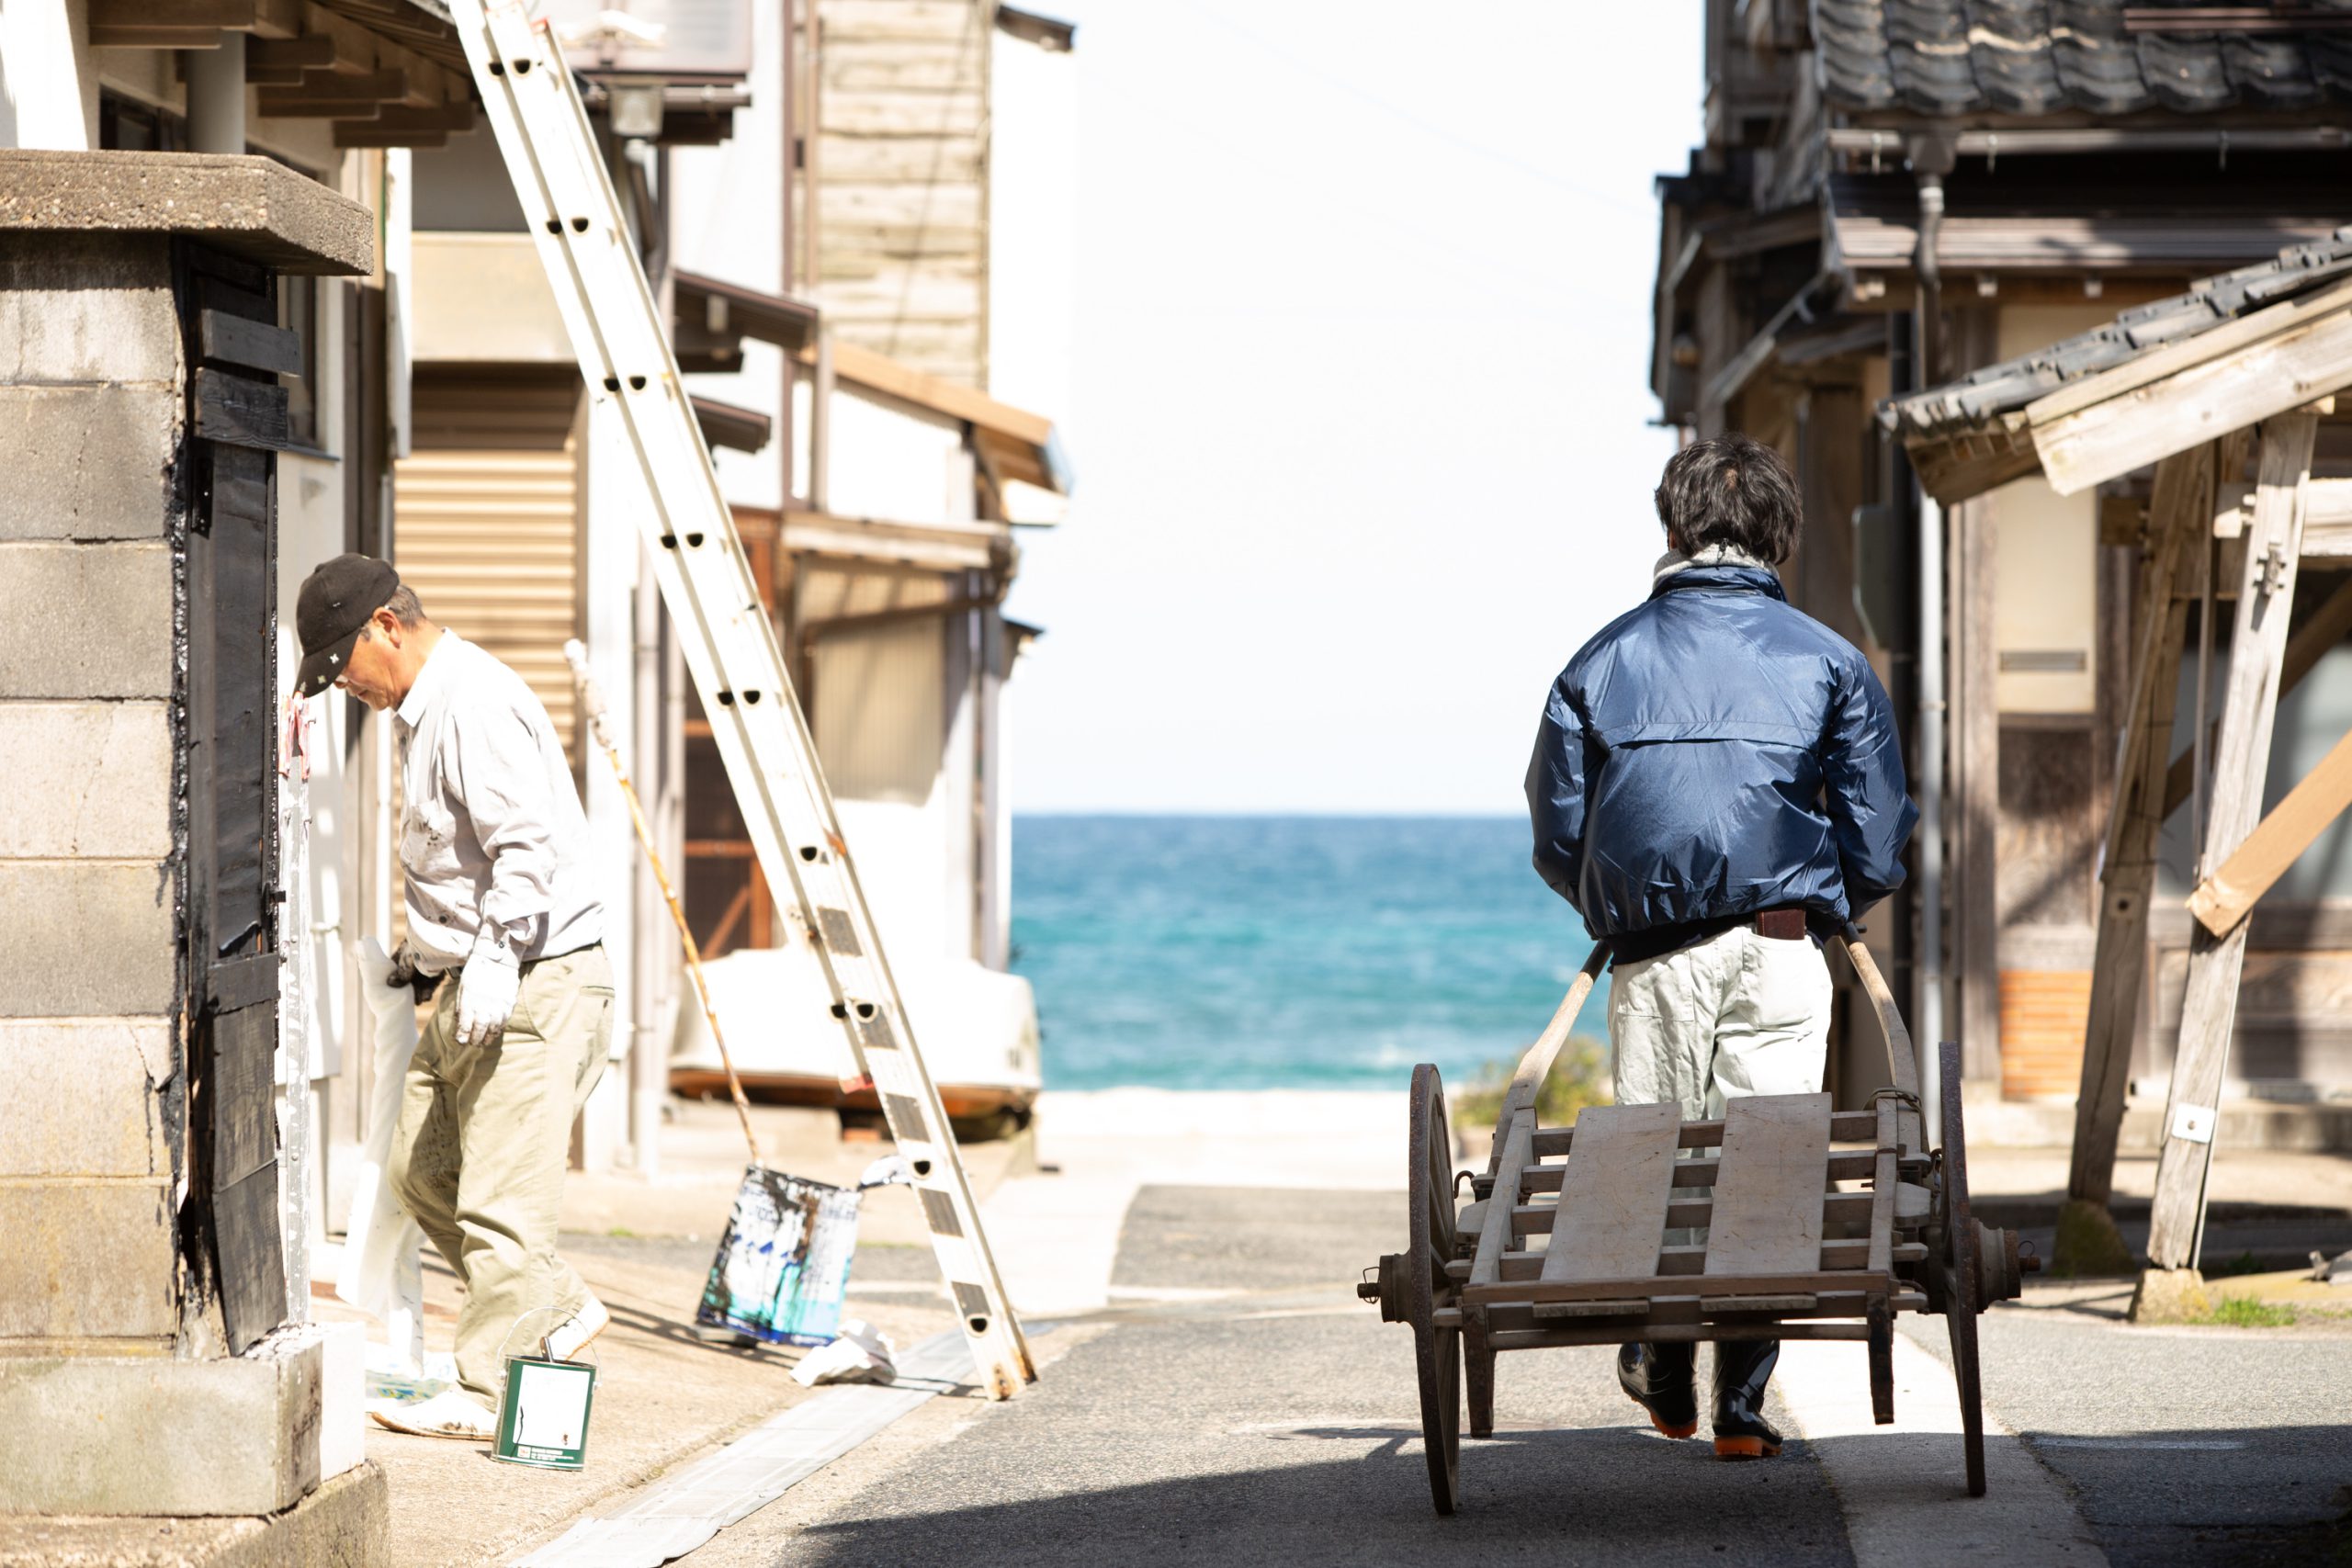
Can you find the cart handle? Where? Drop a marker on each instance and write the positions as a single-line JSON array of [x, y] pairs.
[[1536, 1066], [1901, 1066]]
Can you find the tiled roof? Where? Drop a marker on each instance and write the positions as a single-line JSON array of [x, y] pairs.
[[1978, 401], [2035, 57]]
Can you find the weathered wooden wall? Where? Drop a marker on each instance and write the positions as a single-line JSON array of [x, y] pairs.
[[903, 179]]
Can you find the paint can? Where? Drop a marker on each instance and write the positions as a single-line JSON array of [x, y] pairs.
[[543, 1415]]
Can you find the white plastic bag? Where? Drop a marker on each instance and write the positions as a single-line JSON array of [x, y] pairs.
[[381, 1272], [862, 1354]]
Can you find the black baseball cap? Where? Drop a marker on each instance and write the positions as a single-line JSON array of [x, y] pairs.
[[337, 599]]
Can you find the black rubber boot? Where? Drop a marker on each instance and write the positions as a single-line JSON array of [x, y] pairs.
[[1662, 1379], [1743, 1368]]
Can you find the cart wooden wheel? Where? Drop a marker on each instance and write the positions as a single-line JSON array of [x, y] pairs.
[[1478, 1370], [1963, 1289], [1437, 1352]]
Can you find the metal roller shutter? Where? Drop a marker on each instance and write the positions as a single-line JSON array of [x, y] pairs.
[[487, 523]]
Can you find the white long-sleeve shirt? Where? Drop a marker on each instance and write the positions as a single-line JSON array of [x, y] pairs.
[[492, 839]]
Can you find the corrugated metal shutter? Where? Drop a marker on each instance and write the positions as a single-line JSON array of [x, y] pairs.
[[487, 521]]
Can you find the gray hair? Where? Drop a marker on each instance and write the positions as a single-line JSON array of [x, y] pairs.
[[405, 609]]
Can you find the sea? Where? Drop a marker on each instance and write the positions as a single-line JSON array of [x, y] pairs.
[[1316, 953]]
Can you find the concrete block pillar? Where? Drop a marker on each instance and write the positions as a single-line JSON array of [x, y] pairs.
[[124, 408]]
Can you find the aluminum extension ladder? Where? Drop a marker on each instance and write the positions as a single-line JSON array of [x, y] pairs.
[[730, 647]]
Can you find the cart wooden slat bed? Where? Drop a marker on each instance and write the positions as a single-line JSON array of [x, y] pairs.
[[1587, 1234]]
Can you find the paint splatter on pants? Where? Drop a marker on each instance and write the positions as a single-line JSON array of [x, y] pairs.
[[480, 1152]]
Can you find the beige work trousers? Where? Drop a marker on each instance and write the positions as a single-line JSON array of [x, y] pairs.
[[1738, 1014], [480, 1152]]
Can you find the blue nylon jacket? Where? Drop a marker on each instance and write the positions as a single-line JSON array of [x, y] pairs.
[[1714, 752]]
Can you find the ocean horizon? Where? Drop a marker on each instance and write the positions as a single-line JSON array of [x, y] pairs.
[[1238, 951]]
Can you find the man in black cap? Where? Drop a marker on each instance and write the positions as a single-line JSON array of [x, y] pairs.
[[505, 927]]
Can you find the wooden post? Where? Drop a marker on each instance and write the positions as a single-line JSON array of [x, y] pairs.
[[1975, 736], [2249, 706], [2179, 515]]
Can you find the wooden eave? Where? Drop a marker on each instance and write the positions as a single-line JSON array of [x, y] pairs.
[[1018, 445], [387, 73], [713, 317], [2163, 401], [728, 425]]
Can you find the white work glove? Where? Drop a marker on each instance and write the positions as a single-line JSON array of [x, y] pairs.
[[486, 991]]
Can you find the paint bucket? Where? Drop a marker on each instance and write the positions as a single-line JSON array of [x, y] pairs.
[[782, 1269], [543, 1415]]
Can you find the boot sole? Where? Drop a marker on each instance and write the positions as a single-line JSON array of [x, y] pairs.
[[1745, 1447], [1688, 1430]]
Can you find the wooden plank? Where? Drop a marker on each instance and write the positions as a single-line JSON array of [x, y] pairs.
[[2228, 895], [2329, 625], [251, 1249], [240, 1082], [2144, 369], [1684, 1262], [2249, 707], [1614, 1193], [2179, 514], [2262, 380], [1975, 793], [1696, 1213], [1518, 1150], [1812, 1282], [1855, 1165], [2327, 514], [1683, 1309], [1883, 1190], [1768, 1192], [880, 373], [256, 345], [238, 411], [1845, 1127]]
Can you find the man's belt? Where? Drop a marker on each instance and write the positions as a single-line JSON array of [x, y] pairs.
[[1786, 924]]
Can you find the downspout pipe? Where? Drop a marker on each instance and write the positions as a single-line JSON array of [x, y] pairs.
[[1932, 159]]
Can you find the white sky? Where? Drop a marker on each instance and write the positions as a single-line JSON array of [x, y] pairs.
[[1362, 404]]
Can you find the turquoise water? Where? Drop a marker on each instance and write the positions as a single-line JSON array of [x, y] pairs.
[[1286, 952]]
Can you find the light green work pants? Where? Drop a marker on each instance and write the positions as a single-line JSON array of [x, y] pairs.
[[480, 1152], [1738, 1014]]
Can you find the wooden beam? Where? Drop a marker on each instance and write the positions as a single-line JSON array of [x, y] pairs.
[[2328, 627], [144, 24], [147, 24], [2240, 764], [398, 125], [2266, 371], [2228, 895], [2146, 370], [2179, 512]]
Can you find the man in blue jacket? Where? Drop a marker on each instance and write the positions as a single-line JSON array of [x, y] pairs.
[[1717, 785]]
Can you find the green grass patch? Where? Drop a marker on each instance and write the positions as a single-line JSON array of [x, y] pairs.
[[2245, 1312], [623, 1231], [1577, 1080]]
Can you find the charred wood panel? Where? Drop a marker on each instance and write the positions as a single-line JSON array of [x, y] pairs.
[[229, 733]]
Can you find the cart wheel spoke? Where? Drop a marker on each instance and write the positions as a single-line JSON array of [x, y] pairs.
[[1437, 1352]]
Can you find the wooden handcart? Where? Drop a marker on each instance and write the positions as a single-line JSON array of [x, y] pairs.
[[1820, 1225]]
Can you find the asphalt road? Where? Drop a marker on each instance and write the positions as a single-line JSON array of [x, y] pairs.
[[1234, 1407]]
